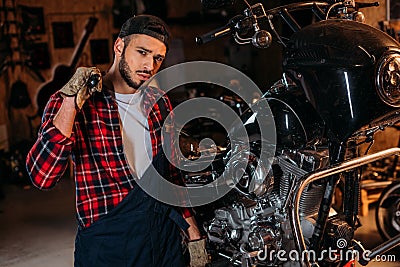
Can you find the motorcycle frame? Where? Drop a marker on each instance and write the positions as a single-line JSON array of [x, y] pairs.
[[332, 170]]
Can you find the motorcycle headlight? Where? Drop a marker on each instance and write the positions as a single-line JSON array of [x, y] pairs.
[[388, 79]]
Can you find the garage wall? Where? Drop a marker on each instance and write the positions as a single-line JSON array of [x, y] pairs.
[[260, 65]]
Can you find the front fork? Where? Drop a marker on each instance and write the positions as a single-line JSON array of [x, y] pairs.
[[352, 189], [337, 154], [351, 196]]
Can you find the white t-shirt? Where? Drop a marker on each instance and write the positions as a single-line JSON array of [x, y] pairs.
[[135, 132]]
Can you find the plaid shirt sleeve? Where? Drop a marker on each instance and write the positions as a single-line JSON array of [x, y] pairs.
[[48, 158]]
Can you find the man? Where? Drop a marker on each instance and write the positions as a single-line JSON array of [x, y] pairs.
[[112, 140]]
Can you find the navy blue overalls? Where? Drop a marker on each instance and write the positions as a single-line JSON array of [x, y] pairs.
[[140, 231]]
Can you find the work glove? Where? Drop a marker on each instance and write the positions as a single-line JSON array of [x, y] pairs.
[[198, 253], [82, 85]]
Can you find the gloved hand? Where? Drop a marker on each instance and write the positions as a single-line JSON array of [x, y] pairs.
[[83, 84], [198, 253]]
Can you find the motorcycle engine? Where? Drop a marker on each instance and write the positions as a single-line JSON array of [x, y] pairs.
[[256, 225]]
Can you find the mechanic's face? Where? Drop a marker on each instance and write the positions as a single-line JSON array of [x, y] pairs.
[[141, 58]]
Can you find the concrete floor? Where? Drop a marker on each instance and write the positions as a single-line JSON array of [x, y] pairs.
[[37, 229]]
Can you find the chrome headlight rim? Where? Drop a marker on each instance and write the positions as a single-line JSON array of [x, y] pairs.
[[382, 87]]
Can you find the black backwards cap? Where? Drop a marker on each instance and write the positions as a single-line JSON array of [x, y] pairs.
[[146, 24]]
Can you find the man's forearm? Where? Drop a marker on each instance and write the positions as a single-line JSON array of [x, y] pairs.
[[193, 230], [65, 117]]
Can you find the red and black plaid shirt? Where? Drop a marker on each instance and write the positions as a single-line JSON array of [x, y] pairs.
[[102, 174]]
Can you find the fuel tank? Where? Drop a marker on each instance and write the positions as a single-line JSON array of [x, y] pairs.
[[296, 122]]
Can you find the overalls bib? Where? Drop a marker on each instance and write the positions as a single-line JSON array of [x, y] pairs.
[[139, 231]]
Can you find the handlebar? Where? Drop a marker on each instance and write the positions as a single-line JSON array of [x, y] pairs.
[[364, 5], [253, 15], [221, 31], [208, 37]]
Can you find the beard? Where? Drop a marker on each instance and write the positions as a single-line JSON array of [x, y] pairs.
[[126, 73]]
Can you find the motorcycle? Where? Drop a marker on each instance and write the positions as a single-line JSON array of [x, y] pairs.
[[340, 85]]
